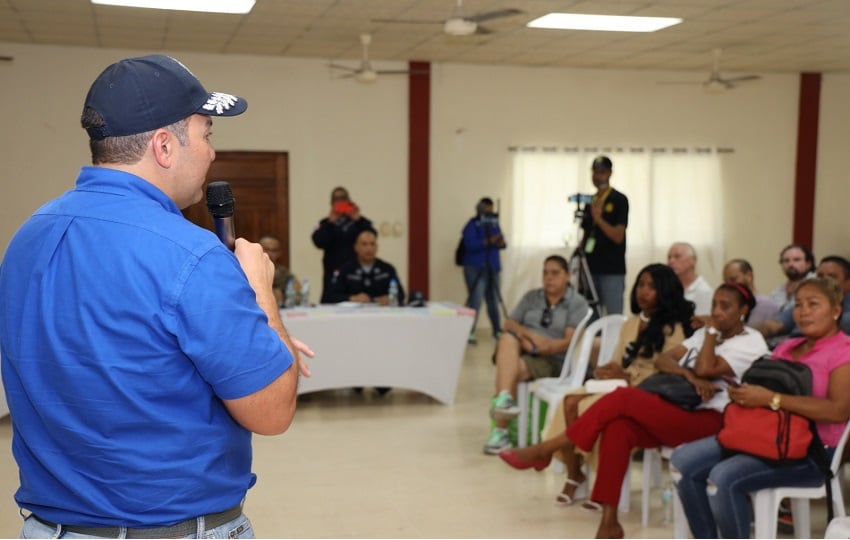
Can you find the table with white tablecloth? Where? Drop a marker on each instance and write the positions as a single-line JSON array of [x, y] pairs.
[[418, 348]]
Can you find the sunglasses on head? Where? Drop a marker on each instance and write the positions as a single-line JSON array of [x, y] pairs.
[[546, 319]]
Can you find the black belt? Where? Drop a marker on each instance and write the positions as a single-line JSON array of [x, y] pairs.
[[184, 528]]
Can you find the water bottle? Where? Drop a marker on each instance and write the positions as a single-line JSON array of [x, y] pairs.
[[289, 295], [667, 504], [305, 293], [393, 292]]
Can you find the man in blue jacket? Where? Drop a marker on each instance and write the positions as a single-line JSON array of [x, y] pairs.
[[482, 240]]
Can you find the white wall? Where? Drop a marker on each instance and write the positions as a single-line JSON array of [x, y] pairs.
[[338, 132]]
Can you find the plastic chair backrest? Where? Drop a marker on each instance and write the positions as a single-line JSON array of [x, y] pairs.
[[839, 450], [569, 356], [609, 329]]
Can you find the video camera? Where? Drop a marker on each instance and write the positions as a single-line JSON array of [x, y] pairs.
[[580, 198]]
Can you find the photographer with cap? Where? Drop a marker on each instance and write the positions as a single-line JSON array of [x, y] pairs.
[[482, 240], [138, 353], [604, 241]]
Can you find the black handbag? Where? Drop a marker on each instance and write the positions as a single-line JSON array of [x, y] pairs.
[[673, 388]]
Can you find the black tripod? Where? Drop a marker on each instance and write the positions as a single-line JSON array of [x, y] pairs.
[[579, 269]]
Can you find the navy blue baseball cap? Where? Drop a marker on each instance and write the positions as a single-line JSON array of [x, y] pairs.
[[136, 95], [602, 162]]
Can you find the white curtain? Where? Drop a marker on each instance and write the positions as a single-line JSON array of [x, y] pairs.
[[674, 195]]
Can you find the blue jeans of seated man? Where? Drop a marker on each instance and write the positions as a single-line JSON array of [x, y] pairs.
[[238, 528], [610, 289], [727, 509], [480, 286]]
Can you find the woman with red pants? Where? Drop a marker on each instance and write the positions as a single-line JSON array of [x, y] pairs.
[[630, 418]]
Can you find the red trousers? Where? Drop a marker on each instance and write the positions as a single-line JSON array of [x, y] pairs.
[[629, 418]]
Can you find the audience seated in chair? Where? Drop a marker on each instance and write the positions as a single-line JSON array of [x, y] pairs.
[[783, 325], [660, 321], [630, 418], [366, 278], [713, 490], [682, 258], [740, 271], [282, 275], [536, 336], [798, 263]]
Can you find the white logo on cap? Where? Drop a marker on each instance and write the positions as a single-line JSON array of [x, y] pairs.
[[220, 102]]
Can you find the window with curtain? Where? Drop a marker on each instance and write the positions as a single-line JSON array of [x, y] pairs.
[[674, 195]]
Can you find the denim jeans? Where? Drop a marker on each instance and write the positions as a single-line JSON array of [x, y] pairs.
[[610, 289], [238, 528], [726, 508], [480, 285]]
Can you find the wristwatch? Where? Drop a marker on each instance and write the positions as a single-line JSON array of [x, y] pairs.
[[712, 331], [775, 402]]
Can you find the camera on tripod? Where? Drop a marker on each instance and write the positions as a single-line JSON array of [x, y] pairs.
[[580, 198]]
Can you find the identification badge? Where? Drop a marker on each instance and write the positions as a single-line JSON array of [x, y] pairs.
[[590, 244]]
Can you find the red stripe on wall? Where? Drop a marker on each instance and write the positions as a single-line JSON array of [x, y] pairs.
[[807, 158], [418, 174]]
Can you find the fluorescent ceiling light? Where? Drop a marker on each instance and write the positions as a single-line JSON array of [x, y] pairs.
[[609, 23], [209, 6]]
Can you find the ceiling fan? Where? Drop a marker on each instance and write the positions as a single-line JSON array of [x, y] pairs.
[[459, 24], [716, 83], [365, 73]]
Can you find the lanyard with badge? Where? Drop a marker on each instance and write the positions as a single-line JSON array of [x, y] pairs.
[[590, 243]]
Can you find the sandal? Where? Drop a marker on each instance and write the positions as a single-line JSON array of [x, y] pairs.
[[580, 493], [591, 506]]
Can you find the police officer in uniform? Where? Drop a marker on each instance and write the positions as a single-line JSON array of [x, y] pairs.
[[366, 278]]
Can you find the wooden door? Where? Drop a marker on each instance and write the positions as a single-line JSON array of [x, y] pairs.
[[260, 183]]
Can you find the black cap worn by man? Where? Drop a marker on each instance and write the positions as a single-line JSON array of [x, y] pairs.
[[136, 95]]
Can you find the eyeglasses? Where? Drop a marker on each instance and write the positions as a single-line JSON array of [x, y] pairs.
[[546, 319]]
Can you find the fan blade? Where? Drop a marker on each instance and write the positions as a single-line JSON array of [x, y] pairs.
[[404, 21], [680, 82], [348, 75], [742, 78], [6, 58], [344, 68], [497, 14], [392, 72]]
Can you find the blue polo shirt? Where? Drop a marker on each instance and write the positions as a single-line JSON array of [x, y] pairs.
[[122, 327]]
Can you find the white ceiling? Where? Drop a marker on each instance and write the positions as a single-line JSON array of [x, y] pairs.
[[755, 35]]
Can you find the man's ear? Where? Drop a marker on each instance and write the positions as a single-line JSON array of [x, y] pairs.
[[162, 145]]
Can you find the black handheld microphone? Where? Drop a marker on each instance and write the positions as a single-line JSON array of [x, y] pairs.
[[221, 203]]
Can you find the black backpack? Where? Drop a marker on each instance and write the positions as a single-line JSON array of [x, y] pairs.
[[460, 251]]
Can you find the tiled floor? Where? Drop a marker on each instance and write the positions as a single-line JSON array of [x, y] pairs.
[[399, 466]]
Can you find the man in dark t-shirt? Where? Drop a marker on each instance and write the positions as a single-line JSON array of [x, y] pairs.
[[604, 242]]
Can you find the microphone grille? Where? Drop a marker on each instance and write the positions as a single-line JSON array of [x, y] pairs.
[[220, 201]]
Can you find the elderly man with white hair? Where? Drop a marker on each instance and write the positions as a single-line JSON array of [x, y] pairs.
[[682, 258]]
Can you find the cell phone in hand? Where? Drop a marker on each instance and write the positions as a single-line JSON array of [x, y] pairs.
[[731, 381], [343, 207]]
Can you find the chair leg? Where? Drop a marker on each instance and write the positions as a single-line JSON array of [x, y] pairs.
[[765, 507], [802, 518], [535, 418], [680, 522], [626, 491], [651, 470], [522, 419]]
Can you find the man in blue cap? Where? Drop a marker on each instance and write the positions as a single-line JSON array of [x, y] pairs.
[[604, 242], [138, 353]]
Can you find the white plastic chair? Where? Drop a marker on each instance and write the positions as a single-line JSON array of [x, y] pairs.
[[652, 477], [551, 389], [766, 501], [524, 387]]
